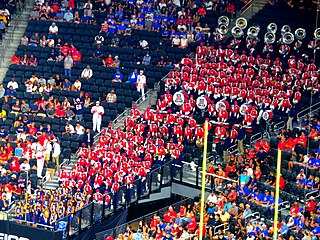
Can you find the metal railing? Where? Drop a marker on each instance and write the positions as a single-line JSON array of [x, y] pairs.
[[278, 126], [115, 201], [224, 227], [255, 138], [308, 111], [247, 7], [146, 219], [233, 149], [252, 217]]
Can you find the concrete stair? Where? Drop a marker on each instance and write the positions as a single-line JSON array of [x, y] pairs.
[[12, 37], [53, 183], [253, 9]]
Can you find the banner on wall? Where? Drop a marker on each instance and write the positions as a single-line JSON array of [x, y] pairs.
[[14, 231]]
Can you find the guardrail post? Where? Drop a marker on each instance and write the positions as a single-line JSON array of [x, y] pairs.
[[197, 176]]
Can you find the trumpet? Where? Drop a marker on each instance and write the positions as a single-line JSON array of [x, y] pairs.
[[317, 33], [223, 20], [237, 32], [285, 29], [272, 27], [269, 38], [241, 23], [199, 143], [253, 32], [300, 33], [223, 29], [288, 38]]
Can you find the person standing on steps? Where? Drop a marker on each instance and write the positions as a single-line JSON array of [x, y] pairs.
[[97, 112], [141, 84]]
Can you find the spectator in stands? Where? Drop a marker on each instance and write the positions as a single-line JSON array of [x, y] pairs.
[[56, 151], [87, 73], [99, 39], [2, 91], [146, 59], [68, 65], [10, 93], [34, 40], [24, 40], [98, 53], [132, 79], [79, 109], [108, 62], [53, 30], [34, 14], [117, 62], [66, 85], [144, 44], [69, 129], [115, 41], [111, 97], [117, 77], [68, 16], [76, 86]]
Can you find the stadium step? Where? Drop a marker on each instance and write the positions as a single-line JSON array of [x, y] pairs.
[[12, 37]]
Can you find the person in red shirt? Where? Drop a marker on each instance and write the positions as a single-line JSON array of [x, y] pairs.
[[14, 165], [15, 60], [310, 206], [108, 62], [76, 56], [169, 215], [4, 156], [192, 226]]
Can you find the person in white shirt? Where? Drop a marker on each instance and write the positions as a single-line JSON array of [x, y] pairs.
[[56, 150], [25, 166], [176, 41], [212, 198], [184, 42], [87, 73], [97, 112], [53, 29], [29, 86], [76, 85], [13, 84], [144, 44], [79, 129], [141, 84], [69, 129]]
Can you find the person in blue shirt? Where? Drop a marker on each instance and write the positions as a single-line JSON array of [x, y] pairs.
[[243, 190], [266, 198], [10, 93], [140, 23], [98, 53], [3, 133], [283, 231], [198, 37], [244, 178], [132, 79], [264, 231], [156, 25], [165, 33], [67, 85], [118, 75]]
